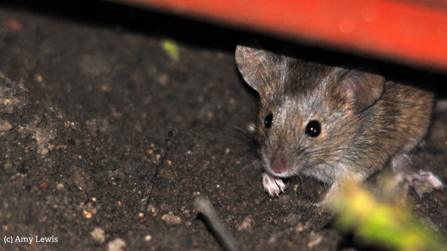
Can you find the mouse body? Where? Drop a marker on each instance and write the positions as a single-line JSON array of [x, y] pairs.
[[332, 123]]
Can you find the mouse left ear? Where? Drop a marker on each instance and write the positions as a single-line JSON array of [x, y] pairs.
[[361, 88]]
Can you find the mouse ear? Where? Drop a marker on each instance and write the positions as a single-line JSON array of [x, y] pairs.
[[254, 63], [362, 89]]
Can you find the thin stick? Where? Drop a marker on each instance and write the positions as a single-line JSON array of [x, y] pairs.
[[168, 142], [219, 231]]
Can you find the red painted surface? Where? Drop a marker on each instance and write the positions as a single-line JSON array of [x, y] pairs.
[[405, 31]]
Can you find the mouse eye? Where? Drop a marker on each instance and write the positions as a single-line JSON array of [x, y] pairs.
[[268, 121], [313, 128]]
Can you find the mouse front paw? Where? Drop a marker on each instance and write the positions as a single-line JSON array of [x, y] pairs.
[[273, 186]]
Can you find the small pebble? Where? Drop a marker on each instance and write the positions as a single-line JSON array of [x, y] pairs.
[[116, 245], [246, 224], [5, 126], [98, 234], [171, 219], [87, 214]]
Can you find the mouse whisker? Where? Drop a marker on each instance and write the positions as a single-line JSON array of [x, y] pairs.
[[251, 165]]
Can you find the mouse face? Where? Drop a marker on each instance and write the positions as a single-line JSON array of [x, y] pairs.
[[304, 127], [310, 114]]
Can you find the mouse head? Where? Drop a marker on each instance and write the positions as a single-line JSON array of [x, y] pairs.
[[311, 115]]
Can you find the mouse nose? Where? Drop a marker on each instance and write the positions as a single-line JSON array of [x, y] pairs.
[[280, 165]]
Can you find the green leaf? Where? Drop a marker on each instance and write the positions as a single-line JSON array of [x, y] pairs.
[[380, 223], [171, 48]]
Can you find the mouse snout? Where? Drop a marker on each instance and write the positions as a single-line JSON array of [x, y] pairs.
[[280, 165]]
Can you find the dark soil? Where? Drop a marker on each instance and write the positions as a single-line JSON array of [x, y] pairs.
[[91, 95]]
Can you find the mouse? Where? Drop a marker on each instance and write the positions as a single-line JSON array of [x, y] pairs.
[[333, 123]]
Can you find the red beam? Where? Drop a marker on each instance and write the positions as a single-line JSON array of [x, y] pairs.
[[406, 31]]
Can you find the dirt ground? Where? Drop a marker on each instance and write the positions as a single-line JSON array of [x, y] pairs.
[[88, 97]]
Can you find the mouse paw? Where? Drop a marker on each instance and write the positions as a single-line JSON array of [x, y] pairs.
[[422, 181], [273, 186]]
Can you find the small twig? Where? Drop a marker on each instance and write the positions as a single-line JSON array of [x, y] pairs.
[[168, 142], [219, 231]]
